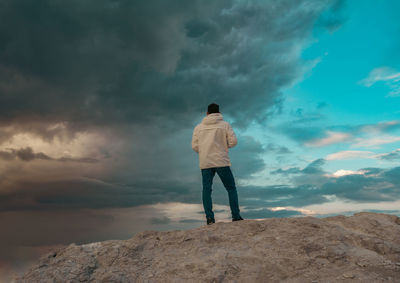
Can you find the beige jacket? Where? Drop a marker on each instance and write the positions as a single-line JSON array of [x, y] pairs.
[[211, 140]]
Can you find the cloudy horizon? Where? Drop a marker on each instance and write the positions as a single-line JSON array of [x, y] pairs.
[[98, 101]]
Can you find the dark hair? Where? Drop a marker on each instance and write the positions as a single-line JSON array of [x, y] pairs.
[[213, 108]]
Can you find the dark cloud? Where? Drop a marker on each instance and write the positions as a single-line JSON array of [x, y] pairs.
[[301, 134], [392, 175], [246, 157], [374, 185], [310, 185], [280, 195], [92, 193], [302, 116], [108, 62], [394, 155], [139, 74], [27, 154], [334, 18], [278, 149], [362, 188], [160, 220], [313, 168], [7, 155], [371, 171]]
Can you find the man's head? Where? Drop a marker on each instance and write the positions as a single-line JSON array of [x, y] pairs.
[[213, 108]]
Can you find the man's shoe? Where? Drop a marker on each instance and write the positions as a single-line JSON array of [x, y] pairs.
[[210, 221], [237, 219]]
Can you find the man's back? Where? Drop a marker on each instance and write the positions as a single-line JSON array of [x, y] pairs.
[[211, 139]]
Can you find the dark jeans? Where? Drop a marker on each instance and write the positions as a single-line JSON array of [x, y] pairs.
[[225, 174]]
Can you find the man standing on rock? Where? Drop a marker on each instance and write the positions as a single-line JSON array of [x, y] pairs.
[[211, 140]]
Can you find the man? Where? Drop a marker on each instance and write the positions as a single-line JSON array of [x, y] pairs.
[[211, 140]]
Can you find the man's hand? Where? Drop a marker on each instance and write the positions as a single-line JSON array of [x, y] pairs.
[[231, 137], [195, 141]]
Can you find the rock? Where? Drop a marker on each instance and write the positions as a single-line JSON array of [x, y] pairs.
[[348, 275], [364, 247]]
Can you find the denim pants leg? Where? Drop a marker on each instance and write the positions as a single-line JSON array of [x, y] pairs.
[[227, 179], [208, 175]]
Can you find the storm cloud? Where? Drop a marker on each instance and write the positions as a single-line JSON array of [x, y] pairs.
[[111, 62], [98, 99], [138, 76], [374, 184], [27, 154]]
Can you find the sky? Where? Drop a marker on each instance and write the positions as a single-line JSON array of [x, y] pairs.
[[99, 98]]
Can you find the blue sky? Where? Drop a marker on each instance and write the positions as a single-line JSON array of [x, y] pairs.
[[98, 103], [347, 57], [362, 44], [345, 107]]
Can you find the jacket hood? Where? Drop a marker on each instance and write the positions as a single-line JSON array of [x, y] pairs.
[[212, 118]]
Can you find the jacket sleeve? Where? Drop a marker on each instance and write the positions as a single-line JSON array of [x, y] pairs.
[[195, 140], [231, 137]]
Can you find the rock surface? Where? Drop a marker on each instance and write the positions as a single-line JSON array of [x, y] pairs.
[[364, 247]]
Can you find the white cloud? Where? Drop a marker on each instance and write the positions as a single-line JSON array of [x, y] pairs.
[[376, 141], [350, 154], [394, 155], [342, 172], [388, 75], [341, 207], [379, 127], [307, 212], [332, 137]]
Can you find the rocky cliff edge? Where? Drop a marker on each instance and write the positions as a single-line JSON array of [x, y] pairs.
[[364, 247]]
